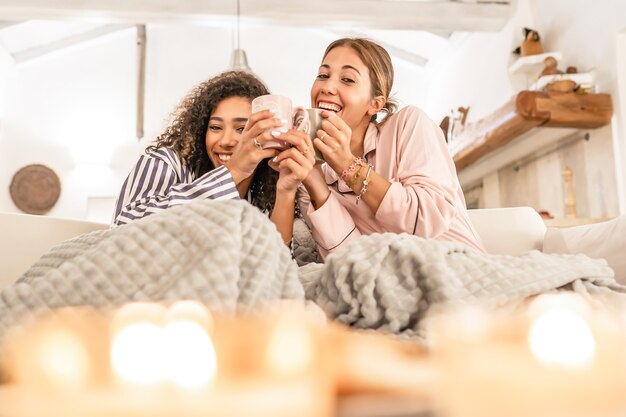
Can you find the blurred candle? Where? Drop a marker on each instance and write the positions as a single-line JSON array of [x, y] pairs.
[[154, 345], [553, 359], [164, 363], [189, 357], [560, 334], [193, 311], [65, 350], [136, 353], [136, 345], [290, 347], [62, 358]]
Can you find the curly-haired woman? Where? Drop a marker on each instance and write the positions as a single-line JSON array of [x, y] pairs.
[[213, 149]]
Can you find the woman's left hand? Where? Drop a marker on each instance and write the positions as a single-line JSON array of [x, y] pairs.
[[294, 163], [333, 141]]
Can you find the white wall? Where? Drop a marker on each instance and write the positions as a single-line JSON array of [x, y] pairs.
[[476, 72], [588, 34], [74, 110]]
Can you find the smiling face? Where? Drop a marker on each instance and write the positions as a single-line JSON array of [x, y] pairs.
[[343, 85], [225, 126]]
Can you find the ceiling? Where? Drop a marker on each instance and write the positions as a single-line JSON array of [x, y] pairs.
[[428, 15], [413, 30]]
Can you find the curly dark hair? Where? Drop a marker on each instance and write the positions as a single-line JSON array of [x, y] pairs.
[[187, 131]]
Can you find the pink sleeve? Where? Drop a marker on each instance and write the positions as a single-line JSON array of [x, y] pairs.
[[331, 225], [422, 199]]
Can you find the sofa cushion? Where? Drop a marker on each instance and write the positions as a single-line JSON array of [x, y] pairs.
[[510, 230], [606, 240]]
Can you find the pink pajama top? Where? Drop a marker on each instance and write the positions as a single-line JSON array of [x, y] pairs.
[[425, 197]]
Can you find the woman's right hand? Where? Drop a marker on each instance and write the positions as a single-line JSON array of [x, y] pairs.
[[294, 163], [249, 151]]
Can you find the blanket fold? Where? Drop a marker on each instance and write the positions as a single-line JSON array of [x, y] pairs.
[[389, 281]]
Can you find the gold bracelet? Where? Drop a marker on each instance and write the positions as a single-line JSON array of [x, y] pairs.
[[351, 180], [346, 172], [366, 183]]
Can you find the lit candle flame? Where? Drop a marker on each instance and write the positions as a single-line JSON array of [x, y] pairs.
[[560, 335], [191, 360], [63, 358], [290, 349], [136, 353], [168, 347]]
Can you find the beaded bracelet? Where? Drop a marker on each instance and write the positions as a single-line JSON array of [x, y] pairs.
[[366, 182], [351, 181], [353, 166]]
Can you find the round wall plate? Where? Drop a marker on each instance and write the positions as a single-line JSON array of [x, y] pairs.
[[35, 189]]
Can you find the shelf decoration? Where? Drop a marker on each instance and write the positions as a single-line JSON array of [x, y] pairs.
[[523, 112], [531, 45]]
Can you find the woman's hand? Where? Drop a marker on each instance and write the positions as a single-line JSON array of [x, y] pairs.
[[295, 163], [249, 151], [333, 141]]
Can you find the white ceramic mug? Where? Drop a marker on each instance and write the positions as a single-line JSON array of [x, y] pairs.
[[311, 126], [282, 107]]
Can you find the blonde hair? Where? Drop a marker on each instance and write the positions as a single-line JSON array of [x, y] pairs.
[[378, 62]]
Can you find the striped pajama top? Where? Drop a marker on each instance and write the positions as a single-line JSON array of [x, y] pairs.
[[160, 180]]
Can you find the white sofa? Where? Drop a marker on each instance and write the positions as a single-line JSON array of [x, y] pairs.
[[509, 231], [26, 237], [517, 230]]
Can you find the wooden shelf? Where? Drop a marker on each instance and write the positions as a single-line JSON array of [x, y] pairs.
[[524, 112]]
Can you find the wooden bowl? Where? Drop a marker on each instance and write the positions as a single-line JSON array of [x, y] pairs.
[[561, 86], [35, 189]]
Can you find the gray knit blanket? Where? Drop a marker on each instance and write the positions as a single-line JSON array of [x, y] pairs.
[[390, 281], [229, 256], [225, 254]]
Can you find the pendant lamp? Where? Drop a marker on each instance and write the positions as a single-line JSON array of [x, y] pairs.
[[239, 59]]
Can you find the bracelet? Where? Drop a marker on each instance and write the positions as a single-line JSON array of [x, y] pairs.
[[366, 182], [346, 172], [351, 182]]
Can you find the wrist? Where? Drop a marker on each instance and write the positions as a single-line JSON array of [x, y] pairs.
[[286, 194], [318, 194], [349, 161], [315, 176], [344, 164], [352, 173], [237, 174]]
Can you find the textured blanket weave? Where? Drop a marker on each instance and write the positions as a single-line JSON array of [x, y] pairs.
[[389, 281], [229, 256], [225, 254]]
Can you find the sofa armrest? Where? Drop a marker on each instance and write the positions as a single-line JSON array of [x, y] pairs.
[[26, 237]]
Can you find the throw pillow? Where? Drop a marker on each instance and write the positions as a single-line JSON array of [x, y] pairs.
[[606, 240]]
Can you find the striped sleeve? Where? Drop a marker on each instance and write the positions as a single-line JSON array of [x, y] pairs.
[[159, 180]]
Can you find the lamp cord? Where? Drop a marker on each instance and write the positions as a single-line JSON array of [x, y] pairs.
[[238, 35]]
